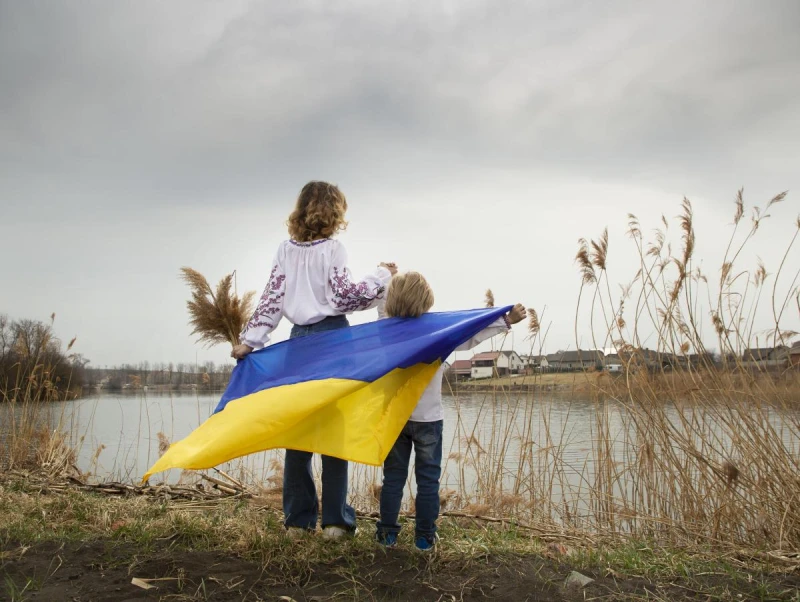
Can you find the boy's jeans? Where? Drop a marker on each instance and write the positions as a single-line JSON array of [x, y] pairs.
[[300, 504], [426, 438]]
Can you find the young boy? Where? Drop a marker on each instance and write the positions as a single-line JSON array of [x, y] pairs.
[[410, 296]]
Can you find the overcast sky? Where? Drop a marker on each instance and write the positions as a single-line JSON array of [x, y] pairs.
[[475, 141]]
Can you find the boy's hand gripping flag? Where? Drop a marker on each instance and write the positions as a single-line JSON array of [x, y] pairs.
[[345, 393]]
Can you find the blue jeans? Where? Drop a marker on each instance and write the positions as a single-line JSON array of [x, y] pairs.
[[300, 504], [426, 438]]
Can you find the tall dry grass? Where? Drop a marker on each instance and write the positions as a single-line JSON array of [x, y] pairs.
[[710, 440], [36, 374]]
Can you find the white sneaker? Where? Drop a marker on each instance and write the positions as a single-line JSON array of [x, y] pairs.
[[336, 533], [295, 532]]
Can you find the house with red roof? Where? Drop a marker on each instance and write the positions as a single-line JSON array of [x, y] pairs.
[[496, 363], [461, 369]]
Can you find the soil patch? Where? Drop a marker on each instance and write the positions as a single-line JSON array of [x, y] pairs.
[[103, 570]]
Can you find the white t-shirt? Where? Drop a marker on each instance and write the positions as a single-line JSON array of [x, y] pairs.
[[309, 282]]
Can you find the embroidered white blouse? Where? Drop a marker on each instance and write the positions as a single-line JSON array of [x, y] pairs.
[[429, 407], [309, 282]]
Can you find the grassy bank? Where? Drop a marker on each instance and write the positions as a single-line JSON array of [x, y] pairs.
[[70, 545], [657, 385], [577, 382]]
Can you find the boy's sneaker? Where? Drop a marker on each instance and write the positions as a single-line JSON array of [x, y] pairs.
[[387, 540], [337, 532], [426, 543]]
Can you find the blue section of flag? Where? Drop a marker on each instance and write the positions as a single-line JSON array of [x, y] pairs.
[[364, 352]]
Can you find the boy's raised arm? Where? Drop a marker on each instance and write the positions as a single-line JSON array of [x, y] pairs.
[[499, 326]]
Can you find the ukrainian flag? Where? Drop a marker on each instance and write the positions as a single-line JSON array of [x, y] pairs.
[[345, 393]]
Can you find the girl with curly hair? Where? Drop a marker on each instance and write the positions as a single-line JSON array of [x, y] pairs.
[[311, 286]]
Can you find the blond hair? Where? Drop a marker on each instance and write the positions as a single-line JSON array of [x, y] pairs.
[[319, 212], [409, 296]]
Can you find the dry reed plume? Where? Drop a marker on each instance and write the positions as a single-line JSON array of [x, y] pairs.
[[217, 316], [533, 323]]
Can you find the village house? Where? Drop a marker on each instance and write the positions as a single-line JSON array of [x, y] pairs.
[[643, 358], [461, 370], [613, 363], [694, 361], [581, 359], [766, 357], [496, 363], [648, 359], [794, 355], [534, 363]]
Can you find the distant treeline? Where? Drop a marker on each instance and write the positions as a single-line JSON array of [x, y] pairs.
[[166, 376], [34, 365]]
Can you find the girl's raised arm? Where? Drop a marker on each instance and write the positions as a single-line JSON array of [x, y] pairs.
[[348, 296]]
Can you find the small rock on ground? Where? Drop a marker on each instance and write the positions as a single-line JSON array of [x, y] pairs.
[[577, 580]]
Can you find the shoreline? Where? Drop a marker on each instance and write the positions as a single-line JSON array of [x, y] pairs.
[[576, 382]]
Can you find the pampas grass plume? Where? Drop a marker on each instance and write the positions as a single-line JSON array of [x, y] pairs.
[[218, 316]]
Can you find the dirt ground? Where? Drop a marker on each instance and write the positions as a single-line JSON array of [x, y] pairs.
[[103, 570]]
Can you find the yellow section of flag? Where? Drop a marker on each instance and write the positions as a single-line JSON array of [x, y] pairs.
[[349, 419]]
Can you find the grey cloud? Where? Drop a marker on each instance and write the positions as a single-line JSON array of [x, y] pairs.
[[131, 100]]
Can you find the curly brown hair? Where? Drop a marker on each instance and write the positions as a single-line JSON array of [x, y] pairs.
[[319, 212]]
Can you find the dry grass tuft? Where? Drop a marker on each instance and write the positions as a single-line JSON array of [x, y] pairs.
[[163, 443], [533, 323], [448, 498], [217, 316], [43, 449], [739, 206], [478, 509], [599, 251], [584, 263]]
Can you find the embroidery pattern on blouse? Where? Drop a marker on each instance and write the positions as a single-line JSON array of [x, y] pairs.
[[312, 243], [270, 303], [348, 296]]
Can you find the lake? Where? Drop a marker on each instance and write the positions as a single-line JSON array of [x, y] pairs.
[[518, 446], [116, 434]]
